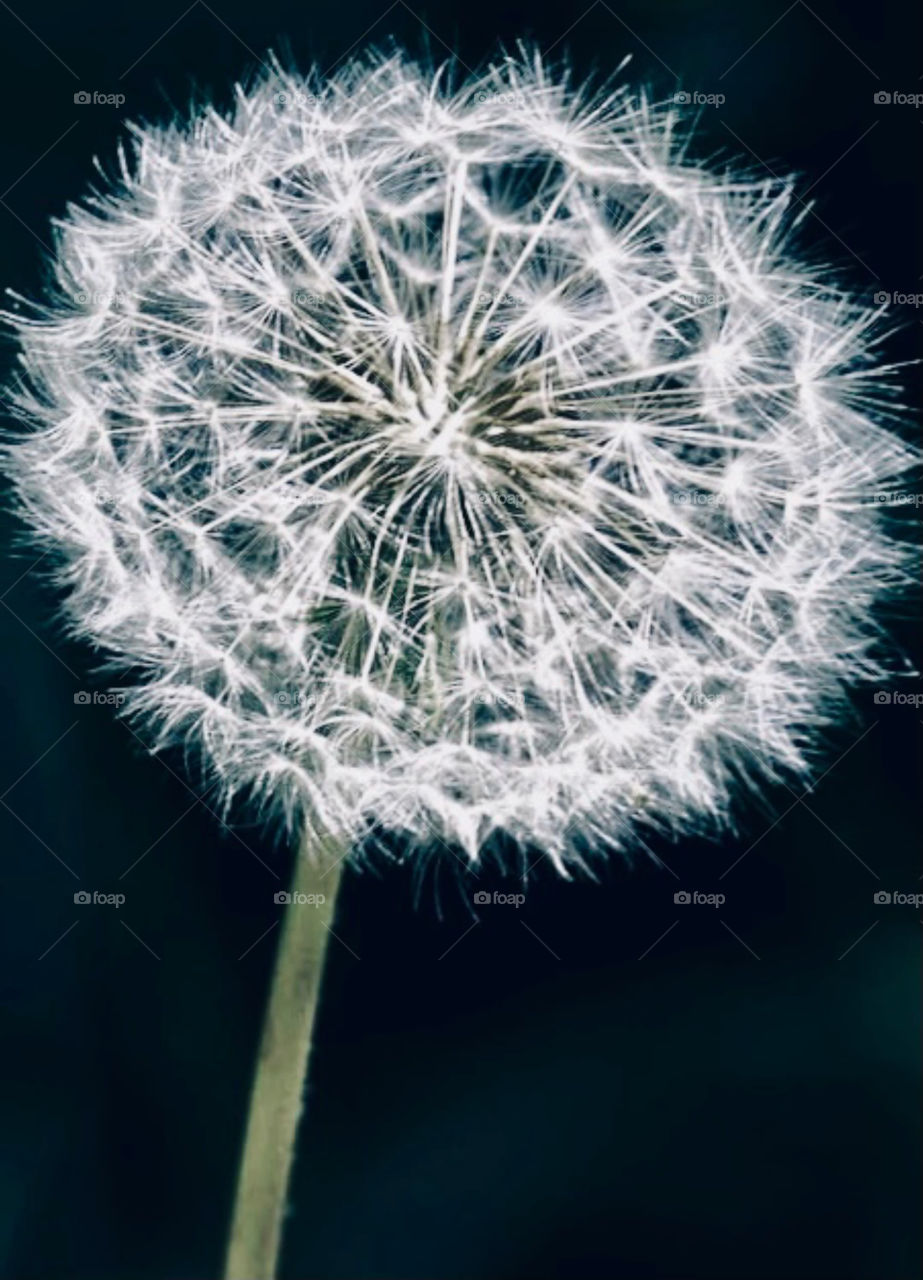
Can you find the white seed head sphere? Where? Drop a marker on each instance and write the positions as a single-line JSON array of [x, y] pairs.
[[459, 461]]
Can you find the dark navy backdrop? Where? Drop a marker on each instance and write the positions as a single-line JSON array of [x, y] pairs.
[[597, 1083]]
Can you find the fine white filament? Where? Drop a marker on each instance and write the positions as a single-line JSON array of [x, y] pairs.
[[459, 460]]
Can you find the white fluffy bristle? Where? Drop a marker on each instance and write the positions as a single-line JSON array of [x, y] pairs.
[[459, 460]]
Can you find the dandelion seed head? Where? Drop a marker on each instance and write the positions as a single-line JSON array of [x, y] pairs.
[[458, 460]]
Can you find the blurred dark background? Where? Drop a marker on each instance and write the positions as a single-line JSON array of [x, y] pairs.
[[598, 1083]]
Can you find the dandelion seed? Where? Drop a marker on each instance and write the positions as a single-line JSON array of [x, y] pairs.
[[304, 350]]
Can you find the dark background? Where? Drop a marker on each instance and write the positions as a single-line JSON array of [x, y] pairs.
[[599, 1083]]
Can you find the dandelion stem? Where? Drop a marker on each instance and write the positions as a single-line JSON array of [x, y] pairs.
[[281, 1070]]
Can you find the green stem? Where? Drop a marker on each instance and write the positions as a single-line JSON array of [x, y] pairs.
[[281, 1071]]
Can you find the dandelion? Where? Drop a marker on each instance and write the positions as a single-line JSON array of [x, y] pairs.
[[459, 460]]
